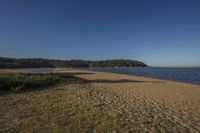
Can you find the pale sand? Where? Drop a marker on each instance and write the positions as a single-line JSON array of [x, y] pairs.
[[150, 105]]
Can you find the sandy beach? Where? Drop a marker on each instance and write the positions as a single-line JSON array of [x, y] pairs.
[[141, 104], [150, 104]]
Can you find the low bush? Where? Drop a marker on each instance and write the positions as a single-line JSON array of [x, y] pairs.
[[25, 81]]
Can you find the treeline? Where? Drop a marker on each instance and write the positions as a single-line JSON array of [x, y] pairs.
[[39, 62]]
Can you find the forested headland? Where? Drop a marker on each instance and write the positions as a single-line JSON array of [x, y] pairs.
[[43, 63]]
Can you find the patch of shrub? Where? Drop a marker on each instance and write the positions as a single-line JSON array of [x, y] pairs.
[[25, 81]]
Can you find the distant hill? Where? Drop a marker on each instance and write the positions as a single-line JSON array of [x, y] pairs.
[[40, 62]]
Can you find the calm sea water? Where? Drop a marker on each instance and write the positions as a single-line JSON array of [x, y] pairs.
[[30, 70], [38, 70], [187, 75]]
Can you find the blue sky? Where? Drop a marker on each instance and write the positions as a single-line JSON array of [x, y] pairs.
[[158, 32]]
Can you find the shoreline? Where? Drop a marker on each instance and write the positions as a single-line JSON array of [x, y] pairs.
[[62, 70], [138, 77]]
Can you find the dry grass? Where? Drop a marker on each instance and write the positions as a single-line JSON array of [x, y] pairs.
[[55, 110]]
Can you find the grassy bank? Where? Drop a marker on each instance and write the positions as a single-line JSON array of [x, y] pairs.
[[56, 109], [16, 82]]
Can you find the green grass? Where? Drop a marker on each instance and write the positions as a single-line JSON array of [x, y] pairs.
[[17, 82]]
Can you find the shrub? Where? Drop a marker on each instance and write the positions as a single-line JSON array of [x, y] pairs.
[[25, 81]]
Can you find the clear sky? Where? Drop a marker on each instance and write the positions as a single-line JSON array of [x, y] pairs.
[[158, 32]]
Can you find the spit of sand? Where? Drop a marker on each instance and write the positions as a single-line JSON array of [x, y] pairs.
[[108, 103]]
